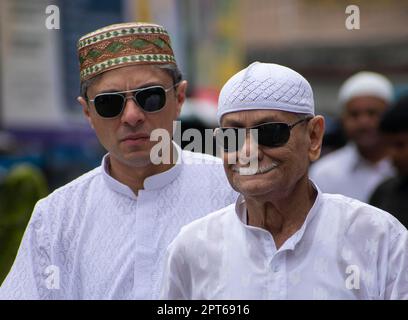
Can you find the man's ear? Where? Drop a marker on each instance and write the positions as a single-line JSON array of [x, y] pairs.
[[86, 110], [181, 92], [316, 132]]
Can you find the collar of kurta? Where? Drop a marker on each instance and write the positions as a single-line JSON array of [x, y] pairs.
[[154, 182], [356, 160]]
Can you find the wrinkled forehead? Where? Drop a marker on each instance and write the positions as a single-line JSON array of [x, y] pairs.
[[254, 117]]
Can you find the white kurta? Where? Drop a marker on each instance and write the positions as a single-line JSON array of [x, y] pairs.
[[94, 239], [345, 249], [344, 171]]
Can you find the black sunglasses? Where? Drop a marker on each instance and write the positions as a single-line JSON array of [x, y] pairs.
[[150, 99], [270, 134]]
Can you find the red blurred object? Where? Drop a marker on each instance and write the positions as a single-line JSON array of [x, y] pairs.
[[208, 94]]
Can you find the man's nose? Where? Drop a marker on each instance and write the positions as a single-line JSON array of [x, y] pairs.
[[250, 147], [368, 119], [132, 113]]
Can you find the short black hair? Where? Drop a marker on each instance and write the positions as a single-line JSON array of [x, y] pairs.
[[395, 120]]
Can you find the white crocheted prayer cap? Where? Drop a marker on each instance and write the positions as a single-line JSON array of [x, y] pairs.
[[266, 86], [366, 83]]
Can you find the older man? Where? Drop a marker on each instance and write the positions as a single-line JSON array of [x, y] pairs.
[[356, 169], [283, 238], [103, 236]]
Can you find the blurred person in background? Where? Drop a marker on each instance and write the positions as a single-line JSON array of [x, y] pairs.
[[103, 236], [356, 169], [392, 194], [333, 138]]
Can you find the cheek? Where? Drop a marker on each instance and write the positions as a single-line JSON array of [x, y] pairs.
[[227, 169], [296, 160], [232, 176], [163, 121], [105, 132]]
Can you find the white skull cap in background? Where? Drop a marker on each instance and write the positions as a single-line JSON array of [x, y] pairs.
[[266, 86], [366, 83]]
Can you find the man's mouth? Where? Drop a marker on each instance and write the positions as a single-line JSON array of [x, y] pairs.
[[136, 139], [135, 136], [254, 170]]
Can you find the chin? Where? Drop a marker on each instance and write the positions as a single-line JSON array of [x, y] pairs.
[[367, 141], [135, 159], [253, 188]]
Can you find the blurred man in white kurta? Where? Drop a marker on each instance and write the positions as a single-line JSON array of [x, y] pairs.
[[283, 238], [104, 235], [356, 169]]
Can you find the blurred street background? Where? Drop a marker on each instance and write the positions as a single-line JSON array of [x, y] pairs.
[[44, 139]]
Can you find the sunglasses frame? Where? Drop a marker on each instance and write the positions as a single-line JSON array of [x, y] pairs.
[[133, 97], [290, 127]]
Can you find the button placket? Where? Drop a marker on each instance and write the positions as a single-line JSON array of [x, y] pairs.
[[277, 276], [146, 237]]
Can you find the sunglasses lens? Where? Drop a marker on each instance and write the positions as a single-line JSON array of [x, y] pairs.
[[109, 105], [231, 139], [151, 99], [268, 135], [273, 134]]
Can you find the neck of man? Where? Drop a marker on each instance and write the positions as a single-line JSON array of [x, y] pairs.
[[372, 154], [134, 176], [282, 215]]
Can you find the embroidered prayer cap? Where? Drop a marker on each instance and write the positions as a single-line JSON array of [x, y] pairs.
[[121, 45], [266, 86], [366, 83]]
